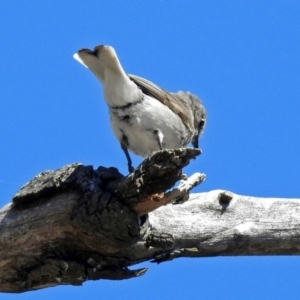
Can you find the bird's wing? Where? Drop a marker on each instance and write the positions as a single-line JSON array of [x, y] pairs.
[[173, 101]]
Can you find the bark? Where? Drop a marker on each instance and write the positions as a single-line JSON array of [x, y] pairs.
[[76, 223]]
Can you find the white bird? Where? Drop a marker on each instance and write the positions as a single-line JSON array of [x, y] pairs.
[[143, 116]]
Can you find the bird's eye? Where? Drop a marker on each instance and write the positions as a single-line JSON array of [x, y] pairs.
[[202, 123]]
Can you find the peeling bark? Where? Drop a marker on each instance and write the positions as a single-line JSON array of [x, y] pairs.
[[76, 223]]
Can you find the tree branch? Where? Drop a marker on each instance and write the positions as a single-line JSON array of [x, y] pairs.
[[76, 224]]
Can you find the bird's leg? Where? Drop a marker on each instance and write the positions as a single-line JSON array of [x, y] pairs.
[[129, 162], [124, 143], [159, 137]]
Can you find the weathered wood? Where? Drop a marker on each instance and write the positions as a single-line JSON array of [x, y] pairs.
[[77, 224], [211, 224], [144, 189], [73, 224]]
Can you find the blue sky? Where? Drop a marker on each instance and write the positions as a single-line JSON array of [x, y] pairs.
[[240, 57]]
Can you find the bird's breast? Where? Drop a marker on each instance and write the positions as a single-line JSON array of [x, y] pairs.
[[143, 121]]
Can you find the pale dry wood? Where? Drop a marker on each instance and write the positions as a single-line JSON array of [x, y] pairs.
[[212, 224]]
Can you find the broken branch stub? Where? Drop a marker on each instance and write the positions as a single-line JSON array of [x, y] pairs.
[[145, 189]]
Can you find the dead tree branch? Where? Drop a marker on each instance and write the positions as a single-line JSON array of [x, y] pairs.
[[76, 223]]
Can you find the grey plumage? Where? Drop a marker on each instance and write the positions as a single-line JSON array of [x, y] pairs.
[[143, 116]]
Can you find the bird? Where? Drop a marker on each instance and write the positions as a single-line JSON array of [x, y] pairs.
[[144, 117]]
